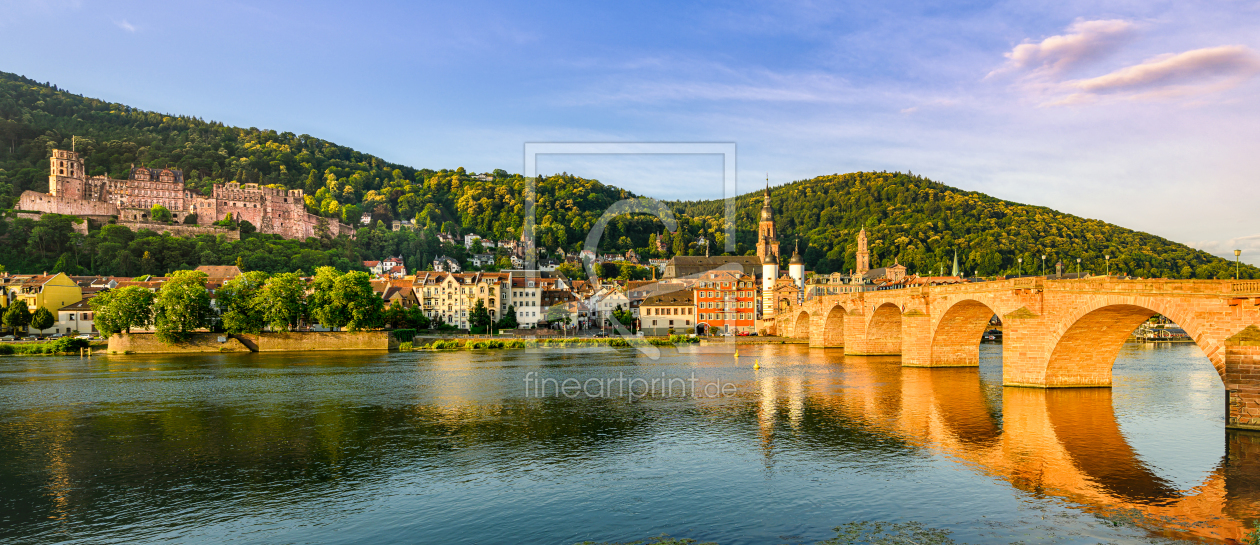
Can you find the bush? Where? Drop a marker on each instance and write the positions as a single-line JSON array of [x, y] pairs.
[[406, 335], [683, 339], [68, 344], [515, 344], [477, 345], [495, 344], [6, 349], [405, 347], [619, 343]]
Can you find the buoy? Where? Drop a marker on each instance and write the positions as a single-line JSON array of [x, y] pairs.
[[737, 352], [757, 364]]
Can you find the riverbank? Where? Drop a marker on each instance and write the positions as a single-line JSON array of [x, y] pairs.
[[147, 343]]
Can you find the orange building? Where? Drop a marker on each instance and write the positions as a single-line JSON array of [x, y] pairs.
[[726, 302]]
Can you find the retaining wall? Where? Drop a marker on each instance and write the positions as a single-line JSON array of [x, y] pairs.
[[147, 343], [323, 340]]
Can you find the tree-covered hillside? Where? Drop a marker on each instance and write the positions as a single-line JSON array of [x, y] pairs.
[[921, 224], [908, 218]]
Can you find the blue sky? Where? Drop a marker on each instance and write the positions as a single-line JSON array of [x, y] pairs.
[[1142, 114]]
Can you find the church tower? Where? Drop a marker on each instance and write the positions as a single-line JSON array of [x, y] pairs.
[[863, 255], [767, 239]]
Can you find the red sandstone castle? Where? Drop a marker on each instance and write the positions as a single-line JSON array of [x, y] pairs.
[[71, 191]]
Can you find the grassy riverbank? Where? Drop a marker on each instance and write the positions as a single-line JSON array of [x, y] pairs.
[[65, 345]]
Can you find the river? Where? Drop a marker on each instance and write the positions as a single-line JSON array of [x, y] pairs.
[[495, 447]]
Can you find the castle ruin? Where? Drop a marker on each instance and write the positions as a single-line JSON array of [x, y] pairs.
[[271, 210]]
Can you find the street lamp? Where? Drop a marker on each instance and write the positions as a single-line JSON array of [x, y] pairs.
[[1108, 256], [1078, 268], [1021, 266], [1043, 264], [1236, 254]]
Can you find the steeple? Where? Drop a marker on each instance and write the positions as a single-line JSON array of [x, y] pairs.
[[955, 272], [767, 239], [863, 255]]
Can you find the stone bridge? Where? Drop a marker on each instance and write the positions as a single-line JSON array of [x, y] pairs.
[[1056, 333]]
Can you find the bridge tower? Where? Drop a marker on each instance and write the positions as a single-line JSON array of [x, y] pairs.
[[769, 274]]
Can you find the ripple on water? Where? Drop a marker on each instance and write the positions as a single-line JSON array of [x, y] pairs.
[[450, 447]]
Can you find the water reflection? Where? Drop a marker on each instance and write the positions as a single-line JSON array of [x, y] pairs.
[[92, 449]]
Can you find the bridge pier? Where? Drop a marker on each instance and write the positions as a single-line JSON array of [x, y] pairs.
[[876, 334], [916, 339], [1242, 380]]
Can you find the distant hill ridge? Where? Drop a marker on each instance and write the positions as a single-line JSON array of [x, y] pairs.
[[909, 219]]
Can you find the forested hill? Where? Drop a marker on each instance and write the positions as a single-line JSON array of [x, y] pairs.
[[921, 224], [909, 218]]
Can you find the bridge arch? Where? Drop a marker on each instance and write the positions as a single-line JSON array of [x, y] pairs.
[[883, 330], [800, 328], [1087, 340], [832, 334], [956, 337]]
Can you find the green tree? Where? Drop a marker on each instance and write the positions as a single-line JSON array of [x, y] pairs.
[[396, 316], [120, 310], [364, 309], [160, 213], [42, 319], [17, 316], [322, 301], [416, 318], [479, 321], [508, 320], [282, 301], [624, 316], [181, 306], [240, 306]]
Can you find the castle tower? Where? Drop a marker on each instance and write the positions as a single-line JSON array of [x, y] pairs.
[[65, 174], [767, 239], [863, 255]]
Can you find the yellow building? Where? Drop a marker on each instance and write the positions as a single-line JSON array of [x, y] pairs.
[[49, 291]]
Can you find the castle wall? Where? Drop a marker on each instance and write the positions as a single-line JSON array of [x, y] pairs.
[[180, 230], [52, 204]]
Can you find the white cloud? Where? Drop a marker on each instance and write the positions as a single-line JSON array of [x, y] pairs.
[[1085, 41], [1250, 246], [123, 24], [1234, 62]]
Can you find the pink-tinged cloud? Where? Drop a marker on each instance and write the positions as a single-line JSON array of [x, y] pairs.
[[1195, 68], [1085, 40]]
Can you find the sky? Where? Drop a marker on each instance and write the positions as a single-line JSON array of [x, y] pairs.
[[1142, 114]]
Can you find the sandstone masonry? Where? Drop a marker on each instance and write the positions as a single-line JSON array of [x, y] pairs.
[[274, 211]]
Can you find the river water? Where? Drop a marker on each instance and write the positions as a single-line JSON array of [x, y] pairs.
[[493, 447]]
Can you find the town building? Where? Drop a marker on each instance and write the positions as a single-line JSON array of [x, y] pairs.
[[726, 302], [453, 296], [669, 314]]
